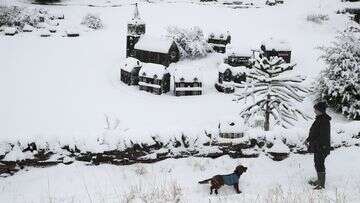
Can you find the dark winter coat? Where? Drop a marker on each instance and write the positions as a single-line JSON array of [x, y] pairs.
[[319, 135], [231, 179]]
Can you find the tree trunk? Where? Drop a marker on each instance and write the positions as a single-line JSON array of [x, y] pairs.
[[267, 114]]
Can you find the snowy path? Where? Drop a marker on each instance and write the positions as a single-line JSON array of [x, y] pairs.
[[265, 180]]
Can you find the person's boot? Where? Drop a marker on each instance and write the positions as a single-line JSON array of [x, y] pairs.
[[321, 181], [314, 182]]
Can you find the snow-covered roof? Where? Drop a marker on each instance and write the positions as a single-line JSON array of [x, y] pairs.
[[149, 70], [235, 70], [130, 63], [277, 44], [231, 126], [72, 31], [238, 51], [149, 43], [218, 35], [10, 30], [28, 28], [188, 73], [45, 32]]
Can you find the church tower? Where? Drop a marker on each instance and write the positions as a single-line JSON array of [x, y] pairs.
[[135, 28]]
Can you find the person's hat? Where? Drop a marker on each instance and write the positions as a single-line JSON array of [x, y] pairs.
[[321, 106]]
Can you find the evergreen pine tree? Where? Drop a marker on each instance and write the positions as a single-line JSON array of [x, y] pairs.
[[273, 91]]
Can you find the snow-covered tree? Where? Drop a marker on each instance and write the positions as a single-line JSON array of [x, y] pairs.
[[191, 42], [274, 92], [18, 16], [92, 21], [339, 83]]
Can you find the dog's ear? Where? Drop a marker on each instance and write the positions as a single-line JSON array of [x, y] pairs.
[[241, 169]]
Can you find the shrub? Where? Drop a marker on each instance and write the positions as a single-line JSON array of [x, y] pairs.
[[92, 21], [17, 16], [317, 18], [339, 83], [191, 42]]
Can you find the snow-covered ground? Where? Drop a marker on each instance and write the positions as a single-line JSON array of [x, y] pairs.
[[62, 87], [264, 181]]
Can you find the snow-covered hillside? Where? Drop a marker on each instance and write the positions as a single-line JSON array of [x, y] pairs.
[[62, 87]]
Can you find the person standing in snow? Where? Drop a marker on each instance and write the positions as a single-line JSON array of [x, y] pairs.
[[318, 143]]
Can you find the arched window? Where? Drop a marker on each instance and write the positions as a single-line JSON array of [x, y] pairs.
[[182, 79], [195, 79]]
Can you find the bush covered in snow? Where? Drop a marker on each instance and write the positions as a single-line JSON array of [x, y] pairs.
[[92, 21], [17, 16], [191, 42], [273, 92], [317, 18], [339, 83]]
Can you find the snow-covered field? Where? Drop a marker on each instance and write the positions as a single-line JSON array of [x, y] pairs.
[[264, 181], [61, 89]]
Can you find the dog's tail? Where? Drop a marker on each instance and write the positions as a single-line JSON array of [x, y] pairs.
[[204, 181]]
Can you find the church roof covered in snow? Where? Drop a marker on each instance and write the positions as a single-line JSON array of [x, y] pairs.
[[276, 44], [151, 70], [154, 44], [130, 63], [186, 73]]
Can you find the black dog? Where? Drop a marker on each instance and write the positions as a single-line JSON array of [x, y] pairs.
[[231, 179]]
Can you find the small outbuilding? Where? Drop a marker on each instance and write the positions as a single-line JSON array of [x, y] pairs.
[[229, 76], [72, 32], [238, 56], [156, 50], [28, 28], [129, 71], [219, 41], [187, 81], [10, 31], [234, 69], [231, 129], [154, 78], [279, 48], [45, 33]]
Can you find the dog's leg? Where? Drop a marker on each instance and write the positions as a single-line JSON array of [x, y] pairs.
[[236, 186], [216, 191], [211, 190]]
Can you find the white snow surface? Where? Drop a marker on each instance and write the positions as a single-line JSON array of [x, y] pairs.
[[187, 72], [154, 44], [130, 63], [58, 89], [152, 69], [264, 181]]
